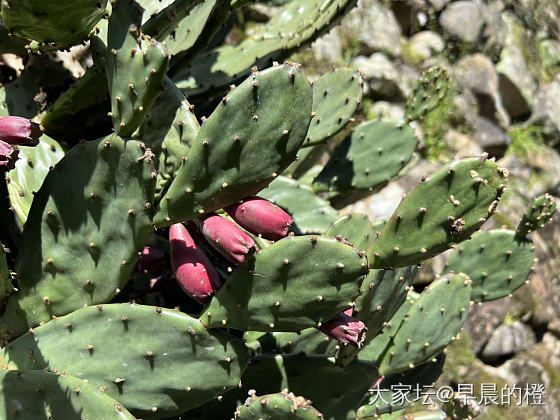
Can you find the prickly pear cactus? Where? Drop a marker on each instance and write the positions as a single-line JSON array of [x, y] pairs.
[[174, 240], [52, 22]]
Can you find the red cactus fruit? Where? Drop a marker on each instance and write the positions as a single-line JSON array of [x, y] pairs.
[[8, 156], [260, 216], [345, 329], [151, 259], [226, 237], [194, 272], [19, 131]]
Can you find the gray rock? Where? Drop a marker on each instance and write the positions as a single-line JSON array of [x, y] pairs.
[[424, 45], [516, 84], [493, 139], [462, 144], [546, 112], [483, 320], [464, 20], [549, 51], [508, 339], [379, 205], [329, 47], [477, 73], [375, 26], [384, 79], [386, 111], [437, 5]]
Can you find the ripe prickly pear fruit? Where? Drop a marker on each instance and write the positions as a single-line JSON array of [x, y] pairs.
[[151, 259], [261, 217], [8, 156], [19, 131], [194, 272], [226, 238], [345, 329]]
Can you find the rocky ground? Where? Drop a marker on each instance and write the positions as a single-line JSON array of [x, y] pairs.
[[504, 58]]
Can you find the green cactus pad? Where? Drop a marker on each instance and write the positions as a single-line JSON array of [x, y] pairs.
[[163, 21], [186, 33], [308, 341], [354, 228], [114, 348], [383, 400], [430, 324], [445, 209], [44, 395], [335, 392], [376, 347], [311, 213], [374, 153], [294, 284], [55, 21], [10, 44], [170, 129], [383, 293], [92, 215], [251, 137], [31, 169], [539, 212], [498, 263], [336, 96], [428, 93], [135, 67], [299, 24], [279, 406]]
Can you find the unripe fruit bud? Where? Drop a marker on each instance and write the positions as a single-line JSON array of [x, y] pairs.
[[19, 131], [345, 329], [261, 217], [226, 237], [194, 272]]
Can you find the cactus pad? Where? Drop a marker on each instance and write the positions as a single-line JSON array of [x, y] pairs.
[[383, 293], [278, 290], [48, 395], [114, 348], [299, 24], [336, 96], [135, 67], [429, 325], [539, 212], [251, 137], [497, 262], [354, 228], [445, 209], [55, 21], [93, 208], [170, 129], [374, 153], [31, 169], [428, 93], [279, 406]]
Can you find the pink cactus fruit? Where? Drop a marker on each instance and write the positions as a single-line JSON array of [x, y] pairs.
[[19, 131], [226, 237], [8, 156], [151, 259], [261, 217], [345, 329], [194, 272]]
